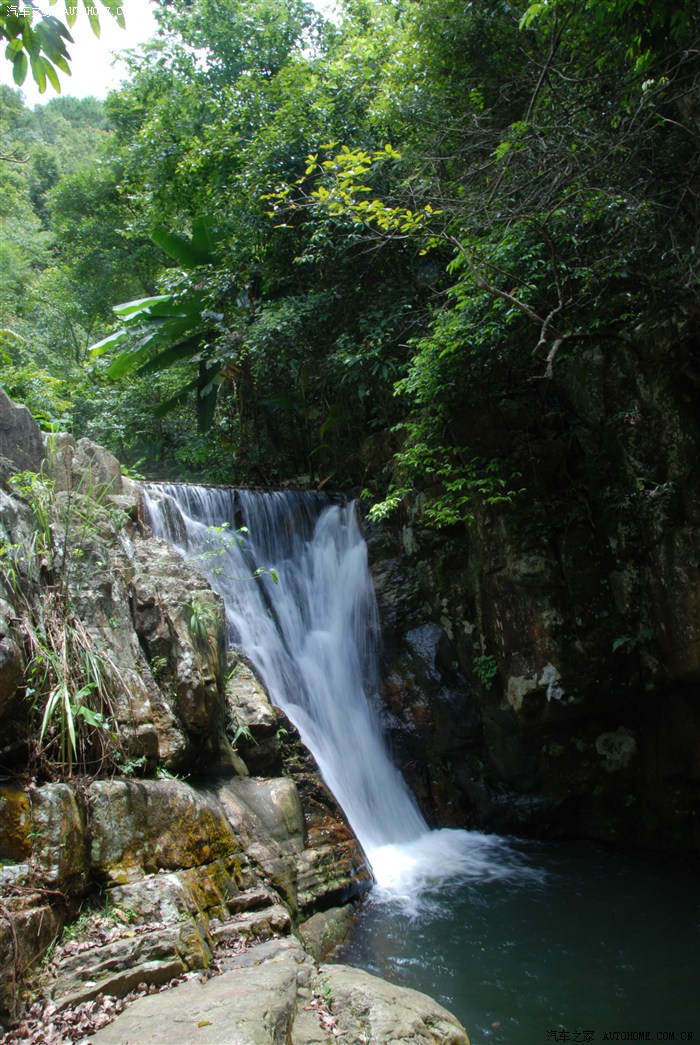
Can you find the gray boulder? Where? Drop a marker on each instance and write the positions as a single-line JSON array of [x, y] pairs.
[[274, 995], [369, 1009], [21, 442]]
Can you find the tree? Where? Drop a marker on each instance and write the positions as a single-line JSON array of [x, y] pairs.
[[66, 257], [194, 321], [40, 43], [552, 179], [307, 371]]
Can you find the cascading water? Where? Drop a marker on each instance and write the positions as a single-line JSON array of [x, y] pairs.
[[292, 569]]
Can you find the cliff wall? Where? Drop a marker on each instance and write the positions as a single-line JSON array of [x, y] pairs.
[[542, 666]]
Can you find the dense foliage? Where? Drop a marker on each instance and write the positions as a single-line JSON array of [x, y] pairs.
[[403, 217]]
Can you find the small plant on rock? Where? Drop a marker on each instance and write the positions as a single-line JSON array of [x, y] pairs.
[[70, 680], [200, 620], [486, 669]]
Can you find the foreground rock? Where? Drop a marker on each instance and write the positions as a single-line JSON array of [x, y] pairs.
[[274, 995]]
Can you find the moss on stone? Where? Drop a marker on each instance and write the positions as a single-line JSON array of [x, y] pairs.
[[15, 823]]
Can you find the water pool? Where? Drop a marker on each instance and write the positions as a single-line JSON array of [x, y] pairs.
[[583, 942]]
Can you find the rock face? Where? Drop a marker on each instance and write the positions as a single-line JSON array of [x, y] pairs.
[[132, 598], [543, 666], [273, 995], [21, 443]]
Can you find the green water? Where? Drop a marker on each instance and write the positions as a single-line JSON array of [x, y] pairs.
[[584, 942]]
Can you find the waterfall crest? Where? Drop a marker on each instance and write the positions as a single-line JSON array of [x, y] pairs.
[[308, 623]]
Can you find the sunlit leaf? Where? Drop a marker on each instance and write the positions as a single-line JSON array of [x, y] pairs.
[[101, 347], [93, 17], [116, 9], [38, 72], [139, 304]]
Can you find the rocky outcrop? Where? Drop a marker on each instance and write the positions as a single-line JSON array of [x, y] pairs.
[[542, 667], [21, 443], [300, 1004]]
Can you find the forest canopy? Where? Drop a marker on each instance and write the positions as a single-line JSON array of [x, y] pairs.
[[307, 248]]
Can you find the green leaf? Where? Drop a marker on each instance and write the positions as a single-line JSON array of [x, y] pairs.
[[115, 8], [205, 237], [159, 332], [174, 308], [83, 692], [68, 707], [20, 65], [334, 415], [51, 74], [93, 718], [127, 361], [170, 355], [532, 14], [60, 27], [38, 72], [179, 248], [93, 17], [139, 305], [62, 64], [100, 347], [51, 704]]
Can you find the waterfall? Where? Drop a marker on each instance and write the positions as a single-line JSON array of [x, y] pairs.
[[292, 569]]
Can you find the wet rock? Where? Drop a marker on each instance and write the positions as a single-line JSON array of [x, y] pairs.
[[616, 749], [186, 871], [253, 1004], [17, 528], [571, 615], [332, 868], [180, 625], [59, 448], [326, 930], [28, 927], [162, 898], [276, 804], [149, 728], [312, 865], [252, 926], [275, 862], [11, 658], [331, 874]]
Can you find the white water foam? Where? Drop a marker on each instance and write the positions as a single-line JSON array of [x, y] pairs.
[[313, 638]]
